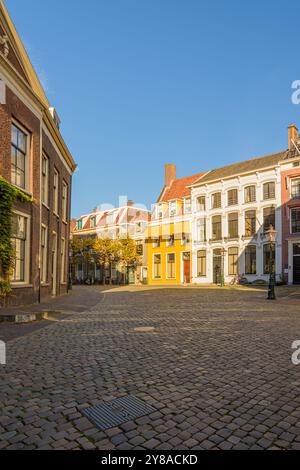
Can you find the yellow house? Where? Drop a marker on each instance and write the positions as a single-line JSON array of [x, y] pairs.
[[169, 232]]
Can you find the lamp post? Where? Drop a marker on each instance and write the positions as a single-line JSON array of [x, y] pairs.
[[271, 238]]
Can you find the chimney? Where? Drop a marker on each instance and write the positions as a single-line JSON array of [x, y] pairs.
[[130, 203], [170, 173], [292, 135]]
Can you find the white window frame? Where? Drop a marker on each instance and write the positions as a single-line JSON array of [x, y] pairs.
[[27, 260], [153, 277], [27, 184], [45, 189], [167, 255], [172, 211], [44, 264], [55, 191], [64, 201], [189, 201]]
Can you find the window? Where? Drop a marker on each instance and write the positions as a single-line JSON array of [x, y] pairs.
[[216, 200], [233, 225], [187, 206], [64, 201], [157, 266], [45, 179], [171, 266], [185, 239], [79, 224], [250, 194], [156, 243], [295, 216], [217, 227], [139, 249], [18, 157], [159, 210], [267, 258], [93, 222], [173, 208], [62, 260], [170, 241], [269, 217], [295, 187], [250, 259], [250, 223], [201, 203], [55, 191], [232, 197], [269, 190], [19, 243], [43, 254], [201, 230], [233, 260], [201, 263]]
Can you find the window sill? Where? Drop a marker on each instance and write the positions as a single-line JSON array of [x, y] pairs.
[[56, 214], [22, 189], [45, 284], [20, 285], [45, 205]]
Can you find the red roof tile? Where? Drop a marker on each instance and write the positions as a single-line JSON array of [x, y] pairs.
[[179, 189]]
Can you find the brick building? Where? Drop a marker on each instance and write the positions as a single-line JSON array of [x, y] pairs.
[[290, 198], [35, 159]]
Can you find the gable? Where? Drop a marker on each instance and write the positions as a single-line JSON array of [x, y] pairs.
[[7, 51], [13, 51]]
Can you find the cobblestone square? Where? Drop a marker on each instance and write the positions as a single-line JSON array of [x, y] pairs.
[[214, 363]]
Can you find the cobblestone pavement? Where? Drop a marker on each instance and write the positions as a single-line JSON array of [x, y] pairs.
[[216, 367]]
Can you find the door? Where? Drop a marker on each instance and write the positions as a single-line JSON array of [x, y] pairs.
[[186, 260], [217, 263], [54, 262], [131, 275], [296, 263]]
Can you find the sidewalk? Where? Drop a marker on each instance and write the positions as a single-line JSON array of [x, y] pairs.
[[79, 299]]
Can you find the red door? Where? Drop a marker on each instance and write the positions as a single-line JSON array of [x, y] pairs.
[[186, 257]]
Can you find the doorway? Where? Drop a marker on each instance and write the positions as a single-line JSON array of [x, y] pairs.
[[217, 263], [186, 267], [54, 263], [296, 263]]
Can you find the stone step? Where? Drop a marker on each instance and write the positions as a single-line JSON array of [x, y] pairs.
[[23, 317]]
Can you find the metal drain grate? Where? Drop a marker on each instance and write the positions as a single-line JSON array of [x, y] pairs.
[[109, 414]]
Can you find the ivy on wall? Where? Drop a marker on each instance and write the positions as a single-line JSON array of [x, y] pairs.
[[8, 195]]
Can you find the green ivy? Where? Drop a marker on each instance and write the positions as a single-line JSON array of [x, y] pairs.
[[8, 195]]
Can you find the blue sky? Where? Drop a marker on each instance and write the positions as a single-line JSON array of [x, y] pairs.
[[141, 83]]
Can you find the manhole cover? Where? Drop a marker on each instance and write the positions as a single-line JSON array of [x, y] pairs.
[[109, 414]]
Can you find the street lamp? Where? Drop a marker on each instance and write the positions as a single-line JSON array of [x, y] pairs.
[[271, 238]]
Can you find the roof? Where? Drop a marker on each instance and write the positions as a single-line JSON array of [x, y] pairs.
[[179, 188], [246, 166], [32, 83]]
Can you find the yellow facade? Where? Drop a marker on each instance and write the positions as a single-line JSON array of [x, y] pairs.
[[174, 252]]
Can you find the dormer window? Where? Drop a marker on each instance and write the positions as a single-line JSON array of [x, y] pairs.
[[55, 117], [187, 206], [79, 224], [159, 211], [110, 219], [93, 222], [295, 187], [173, 208]]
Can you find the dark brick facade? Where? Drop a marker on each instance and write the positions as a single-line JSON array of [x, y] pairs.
[[24, 104], [14, 110]]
